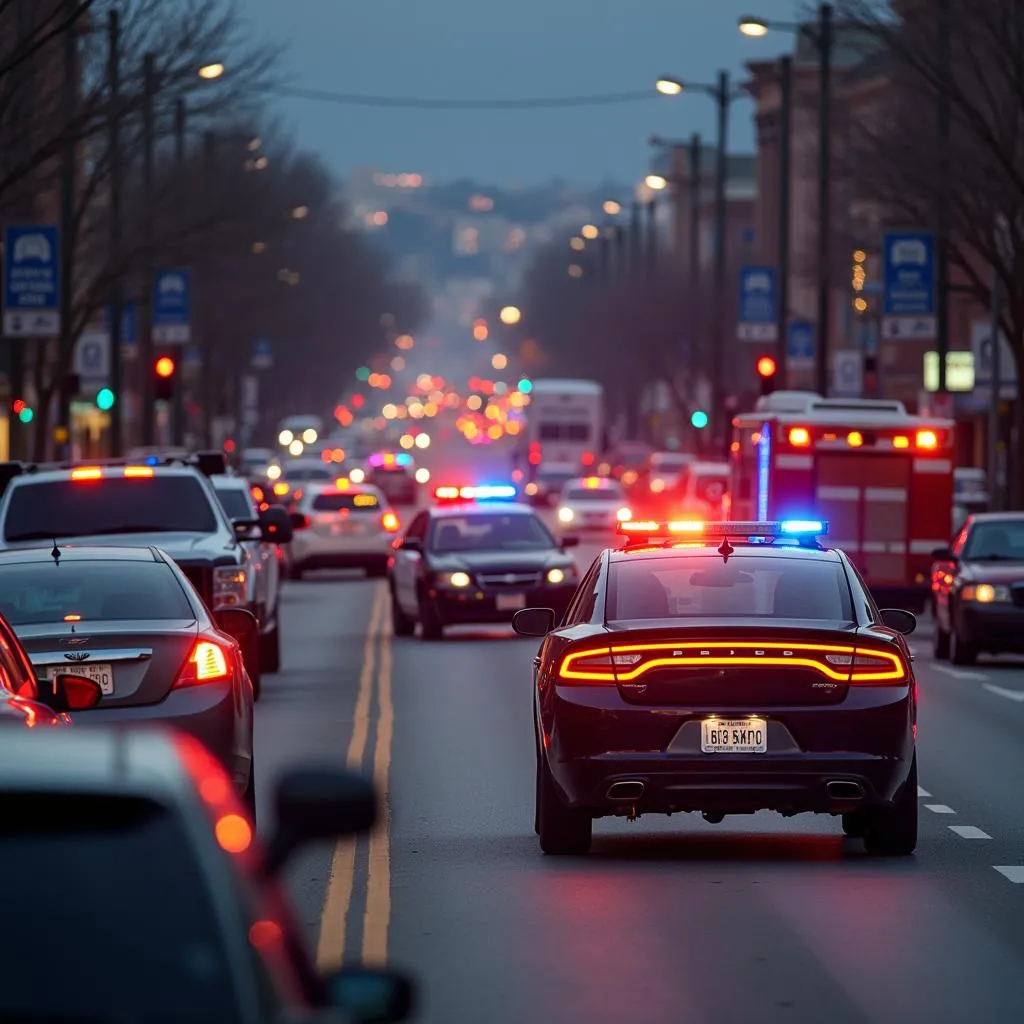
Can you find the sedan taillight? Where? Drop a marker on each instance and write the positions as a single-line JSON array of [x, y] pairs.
[[390, 522], [208, 663]]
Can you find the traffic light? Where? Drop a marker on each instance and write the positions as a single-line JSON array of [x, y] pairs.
[[766, 371], [698, 419], [164, 370], [22, 410], [104, 399], [858, 281]]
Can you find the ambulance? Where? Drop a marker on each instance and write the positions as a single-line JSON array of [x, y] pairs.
[[881, 477]]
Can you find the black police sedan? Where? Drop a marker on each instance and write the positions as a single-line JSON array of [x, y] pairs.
[[724, 669], [476, 557]]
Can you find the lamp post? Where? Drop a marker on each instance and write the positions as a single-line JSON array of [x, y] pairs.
[[723, 95], [784, 142], [822, 35]]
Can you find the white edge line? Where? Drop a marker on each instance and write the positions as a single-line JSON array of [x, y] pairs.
[[1015, 695], [956, 673], [940, 809], [1014, 872], [922, 792], [968, 831]]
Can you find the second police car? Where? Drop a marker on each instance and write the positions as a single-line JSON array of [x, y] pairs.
[[725, 669], [477, 556]]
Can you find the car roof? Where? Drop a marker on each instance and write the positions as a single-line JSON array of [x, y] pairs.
[[228, 481], [41, 476], [997, 517], [79, 553], [460, 508], [689, 549]]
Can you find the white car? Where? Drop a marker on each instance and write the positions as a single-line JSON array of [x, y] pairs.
[[342, 526], [592, 503]]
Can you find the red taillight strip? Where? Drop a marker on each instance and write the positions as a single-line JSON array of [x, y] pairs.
[[896, 674]]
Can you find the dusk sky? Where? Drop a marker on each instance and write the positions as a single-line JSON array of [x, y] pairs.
[[482, 49]]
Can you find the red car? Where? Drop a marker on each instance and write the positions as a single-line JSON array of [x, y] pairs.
[[724, 669]]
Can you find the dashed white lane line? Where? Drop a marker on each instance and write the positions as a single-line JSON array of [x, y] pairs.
[[922, 792], [1015, 872], [1015, 695], [968, 832], [940, 809], [956, 673]]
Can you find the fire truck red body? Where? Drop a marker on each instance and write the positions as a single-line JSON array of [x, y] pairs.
[[881, 477]]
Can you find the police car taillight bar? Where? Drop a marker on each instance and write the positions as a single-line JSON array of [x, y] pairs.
[[637, 528]]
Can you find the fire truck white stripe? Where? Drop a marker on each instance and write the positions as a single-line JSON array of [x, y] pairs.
[[932, 466], [926, 547], [838, 493], [846, 545], [873, 547], [897, 547], [794, 461], [885, 493]]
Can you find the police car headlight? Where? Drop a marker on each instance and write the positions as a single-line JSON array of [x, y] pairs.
[[565, 515], [459, 579], [556, 575]]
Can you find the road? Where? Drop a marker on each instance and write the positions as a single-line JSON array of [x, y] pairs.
[[673, 920]]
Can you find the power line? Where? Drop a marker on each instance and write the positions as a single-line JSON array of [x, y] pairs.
[[412, 103]]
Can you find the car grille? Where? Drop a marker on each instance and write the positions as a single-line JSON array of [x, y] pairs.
[[201, 577], [503, 580]]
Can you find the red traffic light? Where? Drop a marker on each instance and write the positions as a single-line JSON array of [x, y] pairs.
[[165, 367], [766, 366], [18, 406]]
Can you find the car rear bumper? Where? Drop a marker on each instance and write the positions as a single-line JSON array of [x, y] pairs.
[[209, 712], [341, 552], [991, 627], [481, 606]]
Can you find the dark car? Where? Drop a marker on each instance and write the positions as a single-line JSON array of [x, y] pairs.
[[724, 669], [129, 619], [168, 504], [978, 589], [476, 557], [131, 846]]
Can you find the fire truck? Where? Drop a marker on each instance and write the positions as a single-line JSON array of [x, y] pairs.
[[881, 477]]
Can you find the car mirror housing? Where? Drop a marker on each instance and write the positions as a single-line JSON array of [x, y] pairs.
[[239, 623], [534, 621], [68, 692], [896, 618], [276, 525], [368, 994]]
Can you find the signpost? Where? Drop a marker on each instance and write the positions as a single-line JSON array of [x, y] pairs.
[[262, 355], [92, 357], [800, 346], [909, 306], [847, 373], [172, 307], [758, 319], [32, 281]]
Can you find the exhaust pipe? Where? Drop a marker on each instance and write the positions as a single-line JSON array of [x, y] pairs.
[[631, 790], [845, 790]]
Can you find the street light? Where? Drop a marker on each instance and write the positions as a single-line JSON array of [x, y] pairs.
[[300, 212], [656, 182], [589, 231], [211, 71], [510, 315], [611, 207], [821, 36], [669, 86]]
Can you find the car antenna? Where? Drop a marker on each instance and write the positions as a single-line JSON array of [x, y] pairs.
[[55, 553], [725, 549]]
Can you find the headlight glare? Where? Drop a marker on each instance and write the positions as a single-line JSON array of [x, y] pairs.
[[556, 576], [565, 515], [459, 579]]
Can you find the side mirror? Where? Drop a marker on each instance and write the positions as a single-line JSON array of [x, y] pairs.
[[411, 544], [896, 618], [239, 623], [571, 541], [276, 525], [297, 519], [943, 555], [68, 692], [534, 621], [245, 529], [371, 996], [318, 803]]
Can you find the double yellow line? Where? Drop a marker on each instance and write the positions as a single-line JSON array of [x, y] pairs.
[[376, 668]]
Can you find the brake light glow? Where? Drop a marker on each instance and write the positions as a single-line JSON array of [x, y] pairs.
[[855, 439], [87, 473], [927, 439], [800, 437], [233, 833], [859, 667], [72, 618], [342, 483], [281, 488], [137, 472], [210, 662], [390, 522], [901, 441]]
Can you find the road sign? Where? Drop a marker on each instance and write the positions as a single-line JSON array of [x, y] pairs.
[[172, 307], [250, 400], [758, 303], [908, 306], [981, 346], [129, 323], [262, 355], [847, 373], [32, 281], [92, 356], [800, 345]]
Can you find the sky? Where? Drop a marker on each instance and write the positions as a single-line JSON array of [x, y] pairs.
[[514, 49]]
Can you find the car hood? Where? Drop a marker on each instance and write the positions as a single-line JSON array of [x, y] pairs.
[[182, 547], [993, 572], [496, 561]]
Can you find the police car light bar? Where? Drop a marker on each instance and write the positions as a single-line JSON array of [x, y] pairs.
[[487, 492], [783, 528]]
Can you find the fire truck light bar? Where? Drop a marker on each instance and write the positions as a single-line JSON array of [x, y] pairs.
[[783, 528]]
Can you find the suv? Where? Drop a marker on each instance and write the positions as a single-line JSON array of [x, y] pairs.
[[167, 503]]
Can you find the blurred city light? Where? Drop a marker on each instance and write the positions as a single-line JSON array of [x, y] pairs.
[[589, 231], [406, 440], [499, 361], [422, 440], [295, 448], [510, 315]]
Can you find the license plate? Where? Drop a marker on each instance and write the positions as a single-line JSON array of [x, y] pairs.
[[97, 672], [734, 736], [509, 602]]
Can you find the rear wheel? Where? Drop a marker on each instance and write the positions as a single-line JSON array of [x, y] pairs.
[[563, 831], [940, 643], [295, 572], [252, 665], [961, 653], [855, 824], [249, 796], [431, 626], [401, 624], [892, 831], [270, 649]]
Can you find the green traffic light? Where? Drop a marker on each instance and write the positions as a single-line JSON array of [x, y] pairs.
[[699, 419], [26, 415], [363, 373], [105, 399]]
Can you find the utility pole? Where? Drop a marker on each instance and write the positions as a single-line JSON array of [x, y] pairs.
[[207, 387], [116, 295], [942, 198], [996, 341], [695, 204], [178, 411], [148, 197], [825, 25], [784, 142], [652, 235], [722, 100], [635, 238]]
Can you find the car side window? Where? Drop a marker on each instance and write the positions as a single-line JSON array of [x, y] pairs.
[[581, 608], [418, 527], [864, 605]]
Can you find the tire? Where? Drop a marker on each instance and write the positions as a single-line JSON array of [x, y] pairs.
[[892, 831], [855, 824], [401, 624], [961, 653], [295, 571], [253, 667], [940, 643], [270, 650], [564, 831], [431, 627]]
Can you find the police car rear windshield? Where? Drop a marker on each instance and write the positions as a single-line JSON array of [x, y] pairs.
[[481, 532], [340, 502], [747, 586], [84, 508]]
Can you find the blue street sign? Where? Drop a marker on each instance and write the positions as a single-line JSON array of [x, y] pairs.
[[758, 304], [262, 355], [800, 345], [908, 277], [129, 323], [193, 357], [172, 307], [32, 281]]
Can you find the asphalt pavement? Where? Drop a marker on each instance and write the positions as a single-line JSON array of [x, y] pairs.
[[668, 920]]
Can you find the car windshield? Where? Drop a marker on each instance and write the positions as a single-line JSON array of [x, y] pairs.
[[107, 874], [997, 541], [578, 494], [747, 586], [37, 592], [235, 502], [64, 509], [495, 532], [339, 502]]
